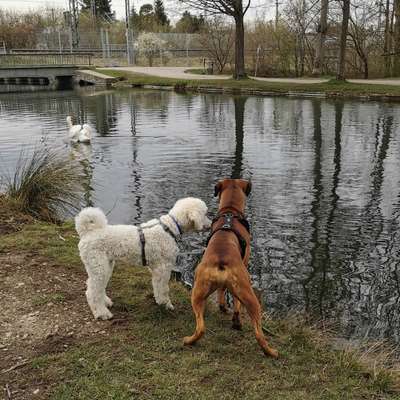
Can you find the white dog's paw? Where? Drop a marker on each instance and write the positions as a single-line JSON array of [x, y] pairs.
[[106, 314], [108, 301], [169, 306]]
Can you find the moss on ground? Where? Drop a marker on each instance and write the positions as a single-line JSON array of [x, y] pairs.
[[332, 88], [142, 356]]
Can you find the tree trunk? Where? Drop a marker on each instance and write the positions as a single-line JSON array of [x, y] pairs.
[[366, 70], [387, 45], [396, 64], [322, 30], [240, 72], [301, 53], [343, 41], [296, 59]]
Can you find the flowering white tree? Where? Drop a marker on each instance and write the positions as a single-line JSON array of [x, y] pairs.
[[151, 46]]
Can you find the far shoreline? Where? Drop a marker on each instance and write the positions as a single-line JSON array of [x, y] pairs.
[[250, 87]]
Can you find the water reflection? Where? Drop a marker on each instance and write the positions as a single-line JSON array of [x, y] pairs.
[[325, 206], [239, 103], [82, 153]]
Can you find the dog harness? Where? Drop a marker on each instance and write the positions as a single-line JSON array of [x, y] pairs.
[[228, 226], [166, 229]]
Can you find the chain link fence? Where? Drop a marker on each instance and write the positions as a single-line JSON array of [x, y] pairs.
[[108, 47]]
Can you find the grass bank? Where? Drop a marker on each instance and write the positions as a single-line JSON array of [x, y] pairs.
[[52, 349], [249, 86]]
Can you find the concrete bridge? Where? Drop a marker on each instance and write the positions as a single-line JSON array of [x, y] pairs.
[[48, 71], [35, 78], [40, 78]]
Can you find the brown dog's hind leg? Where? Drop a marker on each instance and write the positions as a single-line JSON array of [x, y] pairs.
[[201, 291], [236, 322], [244, 292], [222, 301]]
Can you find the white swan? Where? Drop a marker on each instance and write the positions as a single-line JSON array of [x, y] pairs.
[[85, 134], [79, 133]]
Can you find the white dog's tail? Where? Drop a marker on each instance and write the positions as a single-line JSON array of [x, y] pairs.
[[90, 219], [69, 122]]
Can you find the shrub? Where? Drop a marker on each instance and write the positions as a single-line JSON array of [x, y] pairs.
[[151, 46], [46, 185]]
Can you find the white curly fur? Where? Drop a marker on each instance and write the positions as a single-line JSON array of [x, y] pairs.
[[101, 244]]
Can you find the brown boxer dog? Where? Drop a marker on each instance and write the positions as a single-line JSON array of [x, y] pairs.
[[224, 263]]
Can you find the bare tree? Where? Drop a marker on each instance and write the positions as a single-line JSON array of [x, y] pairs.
[[365, 32], [322, 31], [217, 37], [236, 10], [301, 14], [343, 41]]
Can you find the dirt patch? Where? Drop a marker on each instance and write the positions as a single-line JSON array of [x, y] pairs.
[[11, 220], [44, 311]]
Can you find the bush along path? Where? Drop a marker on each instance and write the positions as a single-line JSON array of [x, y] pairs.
[[51, 348]]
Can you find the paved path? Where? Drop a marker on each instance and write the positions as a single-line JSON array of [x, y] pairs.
[[179, 73], [292, 80], [169, 72], [390, 82]]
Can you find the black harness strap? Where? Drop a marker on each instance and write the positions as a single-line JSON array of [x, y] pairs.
[[142, 243], [143, 240], [228, 226], [239, 217], [176, 223], [166, 229]]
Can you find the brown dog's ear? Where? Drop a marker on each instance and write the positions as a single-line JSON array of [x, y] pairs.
[[248, 188], [217, 189]]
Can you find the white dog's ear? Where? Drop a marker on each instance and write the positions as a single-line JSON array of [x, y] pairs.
[[197, 220]]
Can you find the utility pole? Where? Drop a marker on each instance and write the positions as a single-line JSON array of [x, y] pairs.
[[103, 43], [129, 37], [73, 18], [107, 44], [380, 12], [53, 28], [93, 12], [276, 13]]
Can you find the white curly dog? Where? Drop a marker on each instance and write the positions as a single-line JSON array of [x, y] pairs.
[[151, 244]]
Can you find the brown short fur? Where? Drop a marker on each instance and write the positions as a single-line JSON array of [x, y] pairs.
[[222, 267]]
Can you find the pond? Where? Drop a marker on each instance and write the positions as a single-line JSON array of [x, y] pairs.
[[325, 205]]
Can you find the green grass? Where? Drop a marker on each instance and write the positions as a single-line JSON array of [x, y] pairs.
[[57, 242], [331, 88], [143, 357], [41, 300]]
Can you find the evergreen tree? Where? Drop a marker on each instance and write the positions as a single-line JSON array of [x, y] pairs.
[[159, 12], [189, 23], [103, 7], [135, 20], [145, 20], [146, 10]]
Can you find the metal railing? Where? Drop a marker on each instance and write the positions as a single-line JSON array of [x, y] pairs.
[[44, 58]]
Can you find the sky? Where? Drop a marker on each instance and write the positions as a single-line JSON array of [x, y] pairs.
[[172, 7]]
